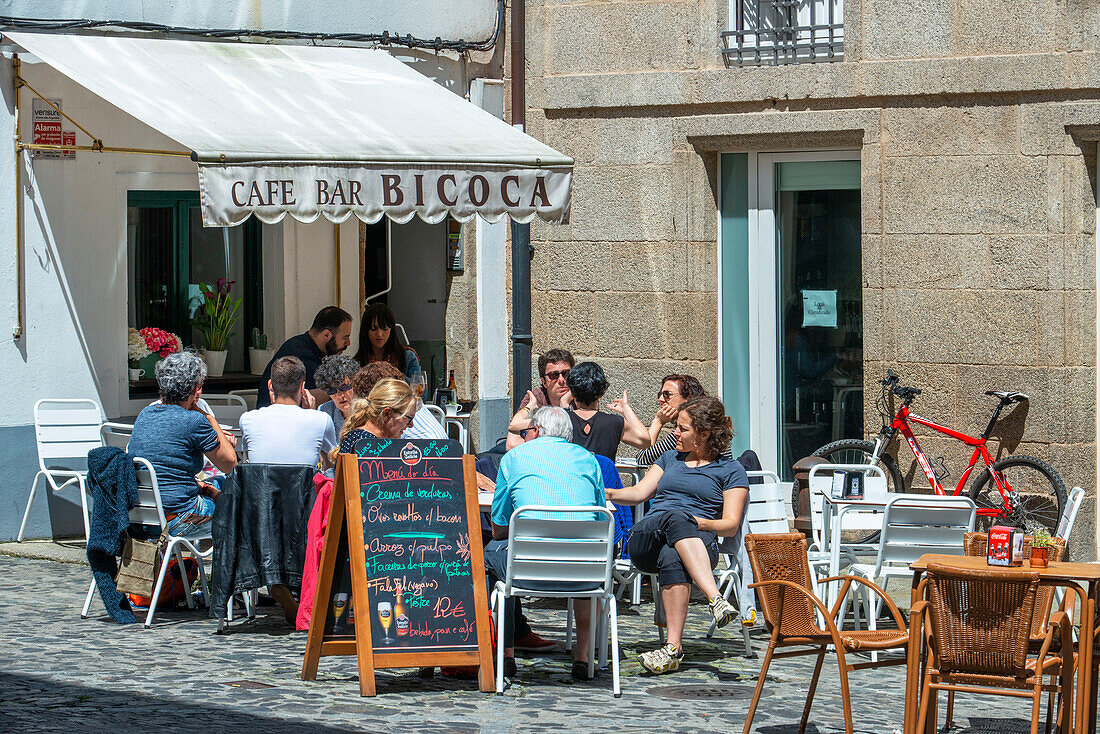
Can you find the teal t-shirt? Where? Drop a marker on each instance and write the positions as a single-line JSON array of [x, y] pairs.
[[546, 471]]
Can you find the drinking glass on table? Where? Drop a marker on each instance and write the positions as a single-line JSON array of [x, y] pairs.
[[418, 382]]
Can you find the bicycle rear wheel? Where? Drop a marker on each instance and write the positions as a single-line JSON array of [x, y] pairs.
[[857, 451], [1037, 498]]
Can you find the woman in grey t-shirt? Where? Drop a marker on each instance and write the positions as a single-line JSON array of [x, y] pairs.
[[698, 494]]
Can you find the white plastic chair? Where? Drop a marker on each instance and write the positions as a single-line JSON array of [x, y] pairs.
[[228, 408], [150, 511], [116, 434], [65, 430], [912, 525], [248, 396], [436, 412], [549, 545], [766, 513]]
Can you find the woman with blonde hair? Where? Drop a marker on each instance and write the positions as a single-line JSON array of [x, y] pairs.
[[384, 413]]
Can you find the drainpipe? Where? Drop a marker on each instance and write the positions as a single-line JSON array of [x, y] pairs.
[[521, 233]]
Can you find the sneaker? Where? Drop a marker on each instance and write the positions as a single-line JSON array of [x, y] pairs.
[[531, 642], [664, 659], [749, 620], [722, 611]]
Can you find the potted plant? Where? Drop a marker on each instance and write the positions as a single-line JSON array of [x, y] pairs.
[[159, 344], [215, 318], [1040, 548], [136, 350], [258, 354]]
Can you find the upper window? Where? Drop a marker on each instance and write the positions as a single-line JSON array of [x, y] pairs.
[[784, 31]]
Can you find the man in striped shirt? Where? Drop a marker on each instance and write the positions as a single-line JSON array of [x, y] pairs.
[[546, 469]]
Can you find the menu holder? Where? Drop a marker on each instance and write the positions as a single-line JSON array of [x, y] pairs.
[[402, 575]]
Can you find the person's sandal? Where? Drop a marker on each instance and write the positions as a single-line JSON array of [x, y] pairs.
[[580, 670], [664, 659]]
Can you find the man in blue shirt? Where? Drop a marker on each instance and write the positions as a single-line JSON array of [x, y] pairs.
[[545, 470]]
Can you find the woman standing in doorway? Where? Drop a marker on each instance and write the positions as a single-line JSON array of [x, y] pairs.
[[378, 341]]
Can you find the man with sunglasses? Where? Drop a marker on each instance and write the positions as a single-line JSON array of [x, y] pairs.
[[285, 432], [554, 366]]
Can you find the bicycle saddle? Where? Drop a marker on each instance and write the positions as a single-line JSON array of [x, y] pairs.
[[1008, 396]]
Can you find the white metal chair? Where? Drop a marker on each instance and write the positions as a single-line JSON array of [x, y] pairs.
[[65, 430], [116, 434], [150, 511], [766, 513], [248, 396], [912, 525], [1069, 515], [550, 545], [228, 408], [436, 412]]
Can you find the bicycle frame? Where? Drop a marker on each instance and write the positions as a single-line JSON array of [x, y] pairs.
[[900, 423]]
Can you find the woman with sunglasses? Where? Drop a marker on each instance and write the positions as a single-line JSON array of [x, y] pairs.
[[385, 413], [334, 377], [675, 391]]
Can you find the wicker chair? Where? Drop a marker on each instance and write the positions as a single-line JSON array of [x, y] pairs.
[[782, 570], [977, 627]]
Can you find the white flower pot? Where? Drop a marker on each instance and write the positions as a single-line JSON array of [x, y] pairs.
[[258, 359], [215, 362]]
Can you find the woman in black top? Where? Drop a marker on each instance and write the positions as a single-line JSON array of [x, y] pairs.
[[599, 432]]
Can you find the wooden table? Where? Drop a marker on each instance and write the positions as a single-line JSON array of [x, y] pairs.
[[1065, 573]]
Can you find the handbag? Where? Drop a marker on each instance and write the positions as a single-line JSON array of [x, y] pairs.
[[140, 563]]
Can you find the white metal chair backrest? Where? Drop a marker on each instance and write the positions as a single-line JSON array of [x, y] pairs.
[[66, 430], [1069, 516], [148, 510], [549, 544], [915, 524], [228, 409], [766, 511], [821, 484], [436, 412], [248, 396], [116, 434]]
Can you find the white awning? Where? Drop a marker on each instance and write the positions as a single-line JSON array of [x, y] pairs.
[[311, 131]]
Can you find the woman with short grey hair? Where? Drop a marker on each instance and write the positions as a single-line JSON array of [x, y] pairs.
[[334, 377], [174, 435]]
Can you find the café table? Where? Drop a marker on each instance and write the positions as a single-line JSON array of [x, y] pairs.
[[1061, 573], [865, 514]]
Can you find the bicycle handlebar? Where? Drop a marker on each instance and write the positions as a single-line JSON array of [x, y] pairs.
[[891, 382]]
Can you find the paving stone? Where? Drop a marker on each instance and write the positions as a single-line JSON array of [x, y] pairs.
[[58, 672]]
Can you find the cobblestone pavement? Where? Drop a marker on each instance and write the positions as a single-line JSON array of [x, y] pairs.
[[58, 672]]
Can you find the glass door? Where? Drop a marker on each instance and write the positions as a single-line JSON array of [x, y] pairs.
[[791, 333]]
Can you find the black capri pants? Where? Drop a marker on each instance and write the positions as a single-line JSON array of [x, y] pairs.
[[652, 539]]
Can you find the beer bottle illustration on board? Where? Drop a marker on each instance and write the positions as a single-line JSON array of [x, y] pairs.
[[401, 618]]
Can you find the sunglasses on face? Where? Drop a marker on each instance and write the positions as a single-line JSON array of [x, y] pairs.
[[553, 376], [668, 395], [523, 432], [342, 388]]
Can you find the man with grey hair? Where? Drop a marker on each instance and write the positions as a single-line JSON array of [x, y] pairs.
[[546, 469], [175, 434]]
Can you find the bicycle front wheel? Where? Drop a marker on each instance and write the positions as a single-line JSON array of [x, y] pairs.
[[1036, 498], [858, 451]]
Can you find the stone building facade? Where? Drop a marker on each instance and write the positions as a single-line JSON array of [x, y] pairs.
[[975, 128]]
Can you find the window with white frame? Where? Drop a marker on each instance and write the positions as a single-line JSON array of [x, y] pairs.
[[763, 32]]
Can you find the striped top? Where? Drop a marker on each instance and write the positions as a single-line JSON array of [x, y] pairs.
[[546, 471]]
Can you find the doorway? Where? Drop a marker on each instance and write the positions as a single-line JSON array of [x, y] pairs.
[[792, 325]]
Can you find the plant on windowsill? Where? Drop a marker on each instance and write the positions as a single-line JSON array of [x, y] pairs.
[[1040, 548], [258, 354], [215, 318], [136, 350]]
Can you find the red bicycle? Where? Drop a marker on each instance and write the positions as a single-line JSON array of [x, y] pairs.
[[1021, 491]]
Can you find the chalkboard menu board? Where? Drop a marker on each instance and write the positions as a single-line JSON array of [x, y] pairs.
[[402, 579]]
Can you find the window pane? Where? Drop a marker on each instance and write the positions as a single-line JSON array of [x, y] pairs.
[[218, 252], [149, 250]]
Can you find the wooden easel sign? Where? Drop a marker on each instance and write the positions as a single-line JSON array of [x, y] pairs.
[[402, 576]]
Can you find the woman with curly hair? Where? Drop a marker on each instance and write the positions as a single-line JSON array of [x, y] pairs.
[[334, 377], [698, 494], [378, 341]]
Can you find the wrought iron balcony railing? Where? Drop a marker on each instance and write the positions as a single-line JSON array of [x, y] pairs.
[[771, 32]]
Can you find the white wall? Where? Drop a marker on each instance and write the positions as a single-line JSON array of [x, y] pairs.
[[449, 19], [74, 342]]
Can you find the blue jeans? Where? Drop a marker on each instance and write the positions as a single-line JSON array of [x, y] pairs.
[[193, 518]]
